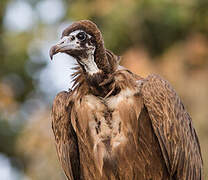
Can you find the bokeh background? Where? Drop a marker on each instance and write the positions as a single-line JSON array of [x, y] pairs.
[[154, 36]]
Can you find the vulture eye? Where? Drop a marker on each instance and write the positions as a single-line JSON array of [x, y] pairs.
[[81, 36]]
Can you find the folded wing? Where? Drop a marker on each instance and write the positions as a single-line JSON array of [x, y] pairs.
[[174, 129], [65, 137]]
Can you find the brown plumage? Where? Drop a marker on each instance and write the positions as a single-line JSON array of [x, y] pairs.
[[117, 125]]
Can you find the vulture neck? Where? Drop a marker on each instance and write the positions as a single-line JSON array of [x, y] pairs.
[[97, 75], [90, 66]]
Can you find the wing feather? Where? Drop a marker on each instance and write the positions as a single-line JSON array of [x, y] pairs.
[[65, 136], [173, 127]]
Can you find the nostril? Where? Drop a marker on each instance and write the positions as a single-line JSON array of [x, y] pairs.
[[72, 38]]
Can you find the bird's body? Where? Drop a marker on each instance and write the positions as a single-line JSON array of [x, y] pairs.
[[117, 125]]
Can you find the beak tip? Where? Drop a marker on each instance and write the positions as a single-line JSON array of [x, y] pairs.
[[52, 52], [51, 57]]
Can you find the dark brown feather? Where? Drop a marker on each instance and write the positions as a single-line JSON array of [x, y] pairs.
[[173, 128], [117, 125], [162, 143], [65, 137]]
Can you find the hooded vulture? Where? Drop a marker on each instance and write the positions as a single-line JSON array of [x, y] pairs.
[[114, 124]]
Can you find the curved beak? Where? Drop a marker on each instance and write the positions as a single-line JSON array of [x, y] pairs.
[[54, 50], [63, 45]]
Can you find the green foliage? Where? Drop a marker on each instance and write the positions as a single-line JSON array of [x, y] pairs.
[[8, 135], [155, 25]]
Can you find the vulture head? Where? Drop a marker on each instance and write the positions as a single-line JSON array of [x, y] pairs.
[[83, 41]]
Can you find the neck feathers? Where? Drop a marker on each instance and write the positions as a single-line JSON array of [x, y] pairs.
[[102, 77], [90, 66]]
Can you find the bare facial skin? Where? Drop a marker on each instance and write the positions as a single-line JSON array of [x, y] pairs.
[[78, 42]]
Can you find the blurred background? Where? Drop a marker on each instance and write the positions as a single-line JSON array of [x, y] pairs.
[[154, 36]]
